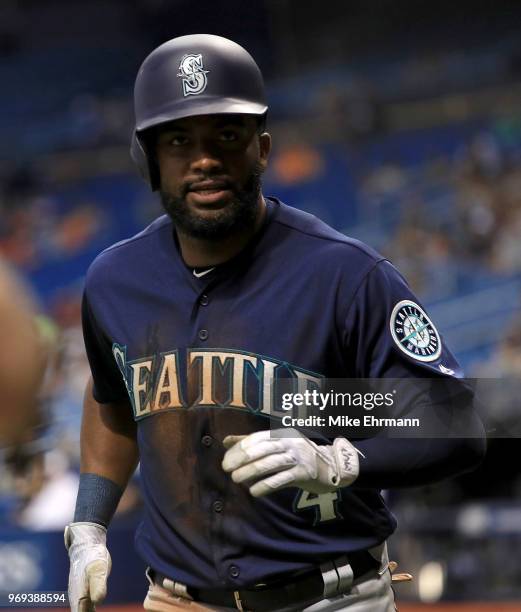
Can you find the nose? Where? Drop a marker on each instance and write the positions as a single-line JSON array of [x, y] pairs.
[[204, 159]]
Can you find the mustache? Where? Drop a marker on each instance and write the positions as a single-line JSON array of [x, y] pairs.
[[193, 185]]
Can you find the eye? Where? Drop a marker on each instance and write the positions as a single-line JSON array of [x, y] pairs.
[[177, 140], [228, 135]]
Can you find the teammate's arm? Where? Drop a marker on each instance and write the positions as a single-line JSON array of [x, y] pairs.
[[22, 359], [109, 456]]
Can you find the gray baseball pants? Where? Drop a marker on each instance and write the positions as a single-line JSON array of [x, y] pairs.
[[370, 593]]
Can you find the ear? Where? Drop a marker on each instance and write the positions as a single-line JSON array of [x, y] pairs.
[[265, 148]]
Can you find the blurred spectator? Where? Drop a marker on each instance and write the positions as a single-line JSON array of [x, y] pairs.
[[38, 231], [354, 113], [297, 163], [505, 361], [46, 487], [67, 374]]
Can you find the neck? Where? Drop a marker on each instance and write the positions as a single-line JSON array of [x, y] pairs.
[[199, 253]]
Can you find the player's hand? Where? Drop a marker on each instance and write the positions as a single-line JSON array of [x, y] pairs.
[[286, 458], [90, 565]]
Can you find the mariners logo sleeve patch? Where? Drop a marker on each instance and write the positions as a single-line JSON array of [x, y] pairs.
[[413, 332]]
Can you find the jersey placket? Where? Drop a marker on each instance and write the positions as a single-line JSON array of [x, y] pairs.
[[214, 483]]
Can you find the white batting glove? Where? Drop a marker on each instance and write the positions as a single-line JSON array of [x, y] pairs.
[[90, 565], [286, 458]]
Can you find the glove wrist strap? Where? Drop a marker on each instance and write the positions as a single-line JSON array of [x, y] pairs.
[[71, 532]]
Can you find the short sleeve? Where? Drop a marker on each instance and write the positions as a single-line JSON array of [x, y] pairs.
[[389, 334], [108, 381]]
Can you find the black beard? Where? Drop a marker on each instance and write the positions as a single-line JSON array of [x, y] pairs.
[[240, 214]]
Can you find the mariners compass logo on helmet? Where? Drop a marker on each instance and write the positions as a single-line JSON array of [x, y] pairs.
[[413, 332], [192, 71]]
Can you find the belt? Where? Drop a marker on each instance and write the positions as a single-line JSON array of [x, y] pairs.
[[290, 590]]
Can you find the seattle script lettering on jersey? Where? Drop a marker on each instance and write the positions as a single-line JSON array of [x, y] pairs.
[[154, 384]]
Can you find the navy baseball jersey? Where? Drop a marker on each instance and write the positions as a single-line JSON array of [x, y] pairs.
[[194, 358]]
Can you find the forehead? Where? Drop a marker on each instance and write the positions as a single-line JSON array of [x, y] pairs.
[[202, 122]]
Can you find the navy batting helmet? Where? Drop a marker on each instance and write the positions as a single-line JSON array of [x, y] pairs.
[[199, 74]]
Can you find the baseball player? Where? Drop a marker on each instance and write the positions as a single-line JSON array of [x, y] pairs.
[[187, 326]]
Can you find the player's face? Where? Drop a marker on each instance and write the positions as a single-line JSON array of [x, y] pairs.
[[210, 168]]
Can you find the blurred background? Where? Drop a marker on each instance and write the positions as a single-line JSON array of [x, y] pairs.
[[397, 122]]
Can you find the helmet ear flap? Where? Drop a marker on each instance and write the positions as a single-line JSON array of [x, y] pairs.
[[147, 167]]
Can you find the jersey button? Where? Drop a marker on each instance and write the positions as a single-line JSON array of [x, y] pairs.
[[203, 334], [207, 440], [218, 506], [234, 571], [204, 300]]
